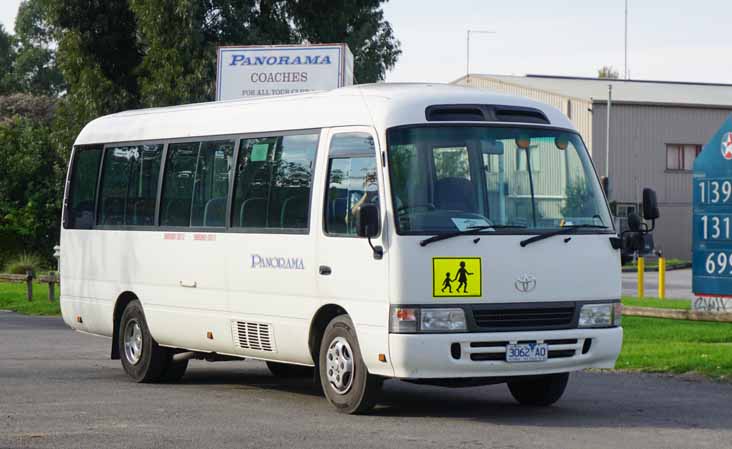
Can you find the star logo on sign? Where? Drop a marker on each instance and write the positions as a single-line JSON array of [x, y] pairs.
[[727, 146]]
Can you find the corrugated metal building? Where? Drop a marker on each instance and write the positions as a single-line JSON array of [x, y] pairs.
[[656, 130]]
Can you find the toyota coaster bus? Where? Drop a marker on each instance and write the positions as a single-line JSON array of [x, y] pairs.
[[429, 233]]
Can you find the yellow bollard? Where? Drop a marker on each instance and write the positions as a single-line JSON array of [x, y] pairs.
[[661, 277], [641, 275]]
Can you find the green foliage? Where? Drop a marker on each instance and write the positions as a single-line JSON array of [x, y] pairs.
[[608, 72], [35, 70], [675, 346], [23, 263], [7, 58], [359, 23], [13, 297], [30, 188], [677, 304]]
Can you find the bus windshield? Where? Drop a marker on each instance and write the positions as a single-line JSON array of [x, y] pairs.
[[453, 178]]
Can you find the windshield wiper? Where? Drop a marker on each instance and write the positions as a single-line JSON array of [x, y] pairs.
[[469, 231], [564, 230]]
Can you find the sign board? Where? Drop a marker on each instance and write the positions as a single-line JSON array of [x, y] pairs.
[[712, 222], [251, 71]]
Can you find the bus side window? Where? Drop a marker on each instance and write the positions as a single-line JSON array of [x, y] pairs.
[[352, 181], [180, 169], [273, 182], [211, 184], [82, 189]]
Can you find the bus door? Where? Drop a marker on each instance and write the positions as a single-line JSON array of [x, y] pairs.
[[348, 271]]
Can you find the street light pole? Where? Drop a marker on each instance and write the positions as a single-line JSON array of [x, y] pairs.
[[467, 50], [626, 39]]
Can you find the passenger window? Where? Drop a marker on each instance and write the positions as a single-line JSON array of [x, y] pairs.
[[211, 184], [273, 182], [129, 185], [175, 204], [352, 182], [142, 190], [82, 189], [113, 191]]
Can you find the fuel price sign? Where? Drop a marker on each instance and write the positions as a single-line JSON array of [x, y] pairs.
[[712, 234]]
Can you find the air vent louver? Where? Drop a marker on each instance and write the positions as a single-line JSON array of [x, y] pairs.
[[256, 336]]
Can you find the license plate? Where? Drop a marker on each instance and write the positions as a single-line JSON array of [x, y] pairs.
[[527, 352]]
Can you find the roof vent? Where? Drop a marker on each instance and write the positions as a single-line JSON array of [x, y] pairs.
[[484, 113], [520, 115]]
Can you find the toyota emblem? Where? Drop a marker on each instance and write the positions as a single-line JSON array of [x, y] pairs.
[[525, 283]]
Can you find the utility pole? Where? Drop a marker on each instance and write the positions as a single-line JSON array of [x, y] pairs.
[[626, 39], [467, 48]]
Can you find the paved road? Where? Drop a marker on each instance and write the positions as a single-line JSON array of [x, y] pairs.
[[678, 284], [58, 390]]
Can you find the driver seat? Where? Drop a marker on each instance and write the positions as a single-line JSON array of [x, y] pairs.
[[455, 194]]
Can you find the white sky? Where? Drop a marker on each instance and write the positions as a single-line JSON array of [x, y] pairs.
[[668, 39]]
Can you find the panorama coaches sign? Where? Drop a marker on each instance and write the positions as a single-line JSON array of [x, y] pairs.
[[252, 71], [712, 242]]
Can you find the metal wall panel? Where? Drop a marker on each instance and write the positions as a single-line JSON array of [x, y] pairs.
[[638, 138]]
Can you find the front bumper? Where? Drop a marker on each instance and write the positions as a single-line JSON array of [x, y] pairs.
[[432, 356]]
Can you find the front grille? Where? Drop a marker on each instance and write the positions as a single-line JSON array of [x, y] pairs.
[[525, 318], [495, 351]]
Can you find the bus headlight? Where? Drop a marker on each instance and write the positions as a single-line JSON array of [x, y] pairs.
[[442, 320], [599, 315], [412, 320]]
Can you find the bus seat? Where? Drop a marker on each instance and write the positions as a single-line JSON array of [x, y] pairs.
[[455, 194], [247, 219], [214, 212], [294, 212]]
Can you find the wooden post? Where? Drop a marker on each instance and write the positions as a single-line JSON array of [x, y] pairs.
[[29, 284], [51, 286]]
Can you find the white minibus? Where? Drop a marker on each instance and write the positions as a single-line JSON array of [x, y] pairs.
[[428, 233]]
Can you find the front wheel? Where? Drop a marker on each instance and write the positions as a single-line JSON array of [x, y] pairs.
[[346, 382], [538, 390]]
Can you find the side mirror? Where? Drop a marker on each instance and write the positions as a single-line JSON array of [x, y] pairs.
[[367, 221], [650, 204]]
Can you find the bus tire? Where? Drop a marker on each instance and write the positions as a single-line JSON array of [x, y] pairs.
[[142, 359], [538, 390], [346, 382], [288, 370]]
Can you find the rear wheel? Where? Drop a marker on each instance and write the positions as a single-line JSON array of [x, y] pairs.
[[343, 375], [538, 390], [142, 359], [287, 370]]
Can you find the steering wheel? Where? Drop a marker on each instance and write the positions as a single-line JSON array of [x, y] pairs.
[[427, 206]]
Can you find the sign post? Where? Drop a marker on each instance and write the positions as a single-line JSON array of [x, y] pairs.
[[252, 71], [712, 225]]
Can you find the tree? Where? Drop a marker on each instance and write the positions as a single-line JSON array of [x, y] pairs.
[[7, 59], [31, 185], [35, 70], [608, 72], [359, 23]]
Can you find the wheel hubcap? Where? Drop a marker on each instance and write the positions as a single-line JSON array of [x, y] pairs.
[[133, 341], [339, 365]]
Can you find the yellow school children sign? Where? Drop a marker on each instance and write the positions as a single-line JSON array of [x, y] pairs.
[[456, 277]]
